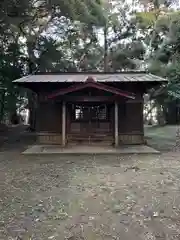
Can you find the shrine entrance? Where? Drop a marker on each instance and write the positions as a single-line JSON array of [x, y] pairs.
[[90, 123]]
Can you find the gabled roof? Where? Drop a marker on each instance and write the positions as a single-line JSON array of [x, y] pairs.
[[90, 83], [98, 77]]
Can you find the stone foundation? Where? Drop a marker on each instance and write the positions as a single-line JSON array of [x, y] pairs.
[[56, 139], [131, 139], [49, 138]]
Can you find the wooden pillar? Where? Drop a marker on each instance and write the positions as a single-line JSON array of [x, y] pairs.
[[116, 124], [64, 123]]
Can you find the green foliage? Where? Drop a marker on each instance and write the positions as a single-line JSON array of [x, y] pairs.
[[11, 68], [146, 19], [49, 55], [123, 55], [161, 29], [63, 35], [25, 44]]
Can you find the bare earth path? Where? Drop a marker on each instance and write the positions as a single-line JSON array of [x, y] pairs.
[[91, 198]]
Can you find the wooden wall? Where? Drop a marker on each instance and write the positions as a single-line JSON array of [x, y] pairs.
[[49, 123], [131, 129], [131, 117], [48, 117], [134, 117]]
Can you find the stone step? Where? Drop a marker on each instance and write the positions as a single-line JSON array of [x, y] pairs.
[[94, 137], [91, 134], [90, 143], [91, 137]]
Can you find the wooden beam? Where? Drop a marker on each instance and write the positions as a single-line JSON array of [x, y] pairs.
[[91, 84], [85, 98], [116, 125], [90, 98], [63, 123]]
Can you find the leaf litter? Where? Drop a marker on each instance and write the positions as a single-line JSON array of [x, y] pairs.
[[98, 198]]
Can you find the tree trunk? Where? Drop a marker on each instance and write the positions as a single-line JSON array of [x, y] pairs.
[[31, 95], [32, 110], [105, 49], [2, 105], [160, 115], [150, 111], [178, 110], [171, 115]]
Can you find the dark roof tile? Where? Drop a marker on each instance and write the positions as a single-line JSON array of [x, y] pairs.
[[99, 77]]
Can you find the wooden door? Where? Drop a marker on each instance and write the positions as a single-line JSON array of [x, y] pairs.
[[90, 119]]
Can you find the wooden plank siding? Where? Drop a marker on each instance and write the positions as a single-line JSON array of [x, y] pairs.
[[49, 138], [48, 117], [130, 126], [49, 123], [131, 129]]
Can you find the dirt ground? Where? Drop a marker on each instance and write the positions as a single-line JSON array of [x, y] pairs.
[[162, 138], [86, 197]]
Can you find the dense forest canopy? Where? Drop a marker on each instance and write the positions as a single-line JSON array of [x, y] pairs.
[[83, 35]]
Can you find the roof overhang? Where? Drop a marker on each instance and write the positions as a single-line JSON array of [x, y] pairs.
[[121, 77], [42, 82], [90, 83]]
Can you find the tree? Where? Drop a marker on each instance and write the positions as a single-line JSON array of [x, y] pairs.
[[29, 22], [31, 19], [159, 24]]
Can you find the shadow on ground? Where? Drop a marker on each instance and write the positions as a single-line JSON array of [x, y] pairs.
[[16, 138], [161, 138]]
